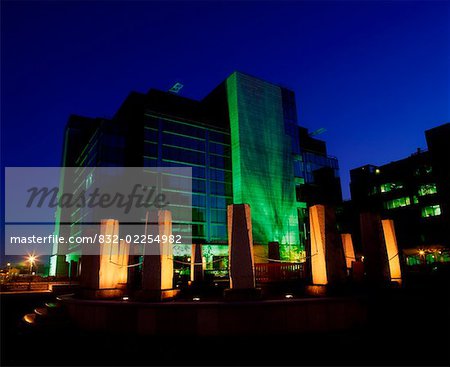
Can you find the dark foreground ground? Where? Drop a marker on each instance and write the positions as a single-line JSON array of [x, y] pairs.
[[408, 326]]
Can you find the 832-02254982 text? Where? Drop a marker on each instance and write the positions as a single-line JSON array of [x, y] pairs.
[[97, 239]]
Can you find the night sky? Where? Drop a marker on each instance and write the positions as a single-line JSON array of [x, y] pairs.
[[374, 74]]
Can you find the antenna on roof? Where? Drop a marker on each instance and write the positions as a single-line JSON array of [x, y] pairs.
[[318, 132], [176, 88]]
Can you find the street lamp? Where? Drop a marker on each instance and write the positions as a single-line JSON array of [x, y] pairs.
[[32, 259]]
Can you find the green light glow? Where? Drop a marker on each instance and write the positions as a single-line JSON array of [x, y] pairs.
[[431, 211], [427, 189], [397, 203], [386, 187], [262, 159]]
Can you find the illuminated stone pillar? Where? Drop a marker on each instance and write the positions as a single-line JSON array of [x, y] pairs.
[[375, 255], [349, 251], [327, 254], [240, 247], [99, 273], [197, 266], [392, 250], [317, 243], [157, 271], [109, 228]]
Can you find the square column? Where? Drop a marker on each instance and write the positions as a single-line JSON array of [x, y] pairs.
[[240, 252], [392, 250], [349, 251], [375, 255], [274, 251], [157, 271], [327, 254], [197, 266]]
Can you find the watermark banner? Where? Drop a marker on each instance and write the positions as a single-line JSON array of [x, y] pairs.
[[66, 210]]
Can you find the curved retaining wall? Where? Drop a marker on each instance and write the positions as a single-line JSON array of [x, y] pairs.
[[217, 318]]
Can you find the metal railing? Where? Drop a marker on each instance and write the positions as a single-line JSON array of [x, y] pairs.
[[276, 272]]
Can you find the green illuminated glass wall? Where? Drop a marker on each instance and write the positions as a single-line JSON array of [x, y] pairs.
[[262, 159]]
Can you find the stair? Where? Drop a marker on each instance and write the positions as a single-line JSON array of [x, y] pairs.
[[51, 316]]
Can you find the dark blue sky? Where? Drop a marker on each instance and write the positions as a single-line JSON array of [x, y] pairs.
[[374, 74]]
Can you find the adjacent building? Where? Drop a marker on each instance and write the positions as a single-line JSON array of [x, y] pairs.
[[413, 191], [244, 145]]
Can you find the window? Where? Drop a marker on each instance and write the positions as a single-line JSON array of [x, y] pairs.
[[218, 216], [219, 149], [219, 137], [198, 200], [386, 187], [218, 202], [427, 189], [198, 215], [183, 142], [199, 186], [397, 203], [219, 175], [431, 211], [181, 155], [184, 129], [218, 231]]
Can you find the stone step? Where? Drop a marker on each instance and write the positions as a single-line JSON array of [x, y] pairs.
[[30, 318], [41, 311], [52, 305]]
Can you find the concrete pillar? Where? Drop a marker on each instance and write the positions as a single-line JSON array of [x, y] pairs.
[[392, 250], [108, 253], [274, 251], [349, 251], [240, 247], [240, 253], [197, 266], [157, 271], [327, 254], [375, 255]]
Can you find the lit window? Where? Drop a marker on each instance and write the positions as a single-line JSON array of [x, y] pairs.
[[386, 187], [431, 211], [427, 189], [397, 203]]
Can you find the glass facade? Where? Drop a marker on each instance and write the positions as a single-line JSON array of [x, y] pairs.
[[177, 143], [310, 162]]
